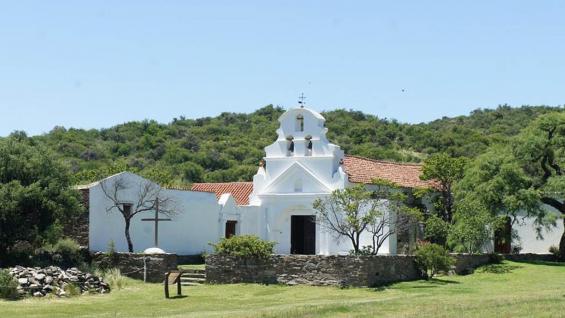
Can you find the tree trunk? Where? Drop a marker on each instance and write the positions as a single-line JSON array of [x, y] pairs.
[[562, 241], [128, 238]]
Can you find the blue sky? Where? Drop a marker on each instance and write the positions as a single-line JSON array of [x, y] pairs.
[[93, 64]]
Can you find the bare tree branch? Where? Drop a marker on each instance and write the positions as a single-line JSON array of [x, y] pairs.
[[148, 195]]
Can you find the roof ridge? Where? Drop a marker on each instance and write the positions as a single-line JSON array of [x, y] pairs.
[[386, 161], [233, 182]]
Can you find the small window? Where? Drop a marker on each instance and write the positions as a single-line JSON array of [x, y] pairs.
[[298, 185], [230, 228], [300, 123], [308, 145]]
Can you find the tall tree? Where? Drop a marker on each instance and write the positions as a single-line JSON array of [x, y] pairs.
[[445, 171], [524, 176], [540, 149], [35, 194]]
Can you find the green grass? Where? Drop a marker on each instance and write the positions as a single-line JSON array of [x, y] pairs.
[[507, 290]]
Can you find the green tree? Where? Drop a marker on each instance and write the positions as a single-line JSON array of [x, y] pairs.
[[523, 176], [35, 194], [540, 151], [472, 229], [445, 171], [353, 211]]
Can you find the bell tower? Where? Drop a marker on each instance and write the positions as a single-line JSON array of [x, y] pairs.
[[301, 141]]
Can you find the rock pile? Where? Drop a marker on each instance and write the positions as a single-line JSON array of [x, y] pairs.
[[39, 282]]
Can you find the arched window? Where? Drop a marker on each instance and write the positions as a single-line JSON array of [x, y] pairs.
[[308, 145], [299, 122], [290, 146]]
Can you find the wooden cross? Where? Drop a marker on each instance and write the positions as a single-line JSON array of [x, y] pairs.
[[301, 100], [156, 219]]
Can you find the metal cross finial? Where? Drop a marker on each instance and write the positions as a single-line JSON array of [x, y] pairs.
[[301, 100]]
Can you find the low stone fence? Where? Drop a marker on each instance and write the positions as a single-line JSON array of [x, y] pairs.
[[529, 257], [132, 265], [312, 269], [340, 270]]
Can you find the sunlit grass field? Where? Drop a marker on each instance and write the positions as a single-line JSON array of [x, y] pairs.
[[507, 290]]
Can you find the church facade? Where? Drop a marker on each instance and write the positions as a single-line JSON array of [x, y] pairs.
[[299, 167]]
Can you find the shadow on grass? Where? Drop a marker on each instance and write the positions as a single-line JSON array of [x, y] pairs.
[[498, 268], [438, 281], [546, 263], [431, 283], [178, 297]]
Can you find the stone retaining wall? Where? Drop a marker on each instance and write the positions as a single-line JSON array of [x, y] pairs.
[[529, 257], [312, 270], [131, 264], [332, 270]]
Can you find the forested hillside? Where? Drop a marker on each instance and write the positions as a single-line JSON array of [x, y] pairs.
[[228, 147]]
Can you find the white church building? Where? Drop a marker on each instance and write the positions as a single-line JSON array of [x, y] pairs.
[[299, 167]]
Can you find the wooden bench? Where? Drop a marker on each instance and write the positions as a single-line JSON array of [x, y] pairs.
[[173, 277]]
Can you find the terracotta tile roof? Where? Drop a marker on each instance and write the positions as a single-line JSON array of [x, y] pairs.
[[239, 190], [363, 170]]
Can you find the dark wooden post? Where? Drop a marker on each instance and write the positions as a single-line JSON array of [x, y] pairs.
[[179, 291], [173, 277], [167, 285]]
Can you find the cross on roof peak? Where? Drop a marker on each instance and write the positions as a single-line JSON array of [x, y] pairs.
[[301, 99]]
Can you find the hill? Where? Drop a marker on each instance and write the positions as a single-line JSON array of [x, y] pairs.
[[228, 147]]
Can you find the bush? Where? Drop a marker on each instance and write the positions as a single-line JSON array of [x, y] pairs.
[[436, 230], [8, 285], [554, 250], [432, 259], [244, 246], [21, 253], [112, 254], [72, 290], [495, 258], [65, 253], [115, 278], [363, 251]]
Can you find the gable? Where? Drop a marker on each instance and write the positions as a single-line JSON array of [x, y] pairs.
[[297, 178]]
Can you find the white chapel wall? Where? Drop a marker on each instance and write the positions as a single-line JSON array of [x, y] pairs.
[[188, 233]]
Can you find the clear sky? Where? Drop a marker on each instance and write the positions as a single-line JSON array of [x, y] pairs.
[[93, 64]]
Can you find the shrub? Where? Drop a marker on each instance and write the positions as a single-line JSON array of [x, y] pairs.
[[112, 254], [65, 253], [554, 250], [495, 258], [363, 251], [8, 285], [432, 259], [115, 278], [244, 246], [21, 253], [72, 290], [436, 230]]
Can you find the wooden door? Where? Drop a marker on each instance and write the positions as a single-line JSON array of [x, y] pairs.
[[230, 228], [303, 234]]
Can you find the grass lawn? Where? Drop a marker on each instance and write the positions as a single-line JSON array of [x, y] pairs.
[[507, 290]]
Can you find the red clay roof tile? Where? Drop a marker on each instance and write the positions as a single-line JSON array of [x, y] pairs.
[[364, 170], [358, 169], [239, 190]]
